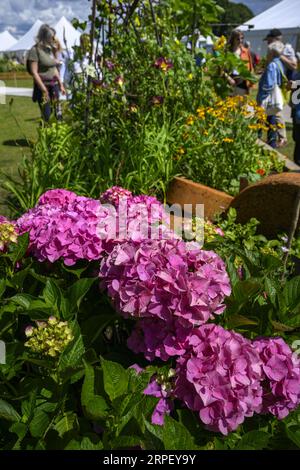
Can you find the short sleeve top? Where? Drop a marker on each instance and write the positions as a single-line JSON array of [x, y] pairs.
[[46, 61]]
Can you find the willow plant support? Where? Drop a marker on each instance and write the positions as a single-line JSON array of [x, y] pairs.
[[91, 57], [293, 228]]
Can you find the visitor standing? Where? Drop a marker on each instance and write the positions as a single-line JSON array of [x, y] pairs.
[[43, 66], [270, 82], [236, 46], [294, 85], [289, 61]]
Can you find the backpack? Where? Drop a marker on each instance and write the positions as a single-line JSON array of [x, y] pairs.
[[28, 68]]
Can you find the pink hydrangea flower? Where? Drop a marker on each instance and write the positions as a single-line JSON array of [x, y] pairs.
[[281, 384], [220, 377], [135, 218], [62, 226], [166, 279], [58, 198], [156, 338], [114, 194]]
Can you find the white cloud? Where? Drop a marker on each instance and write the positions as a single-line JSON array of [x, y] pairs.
[[19, 15]]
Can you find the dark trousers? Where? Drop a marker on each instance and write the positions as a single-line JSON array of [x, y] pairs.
[[296, 137], [272, 132], [50, 106]]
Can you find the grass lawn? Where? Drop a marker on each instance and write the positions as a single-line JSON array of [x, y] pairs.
[[18, 124], [19, 83]]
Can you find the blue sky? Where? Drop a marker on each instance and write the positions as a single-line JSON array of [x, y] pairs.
[[18, 15], [257, 6]]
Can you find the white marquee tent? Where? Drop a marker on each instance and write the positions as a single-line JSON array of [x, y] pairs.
[[284, 16], [67, 34], [27, 41], [6, 41]]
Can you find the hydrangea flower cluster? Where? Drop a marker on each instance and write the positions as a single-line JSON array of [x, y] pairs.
[[8, 233], [281, 367], [166, 279], [135, 218], [220, 378], [64, 225], [172, 288], [114, 194], [156, 338], [49, 338]]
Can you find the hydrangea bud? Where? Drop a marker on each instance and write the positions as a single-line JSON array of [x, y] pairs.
[[49, 338], [8, 234]]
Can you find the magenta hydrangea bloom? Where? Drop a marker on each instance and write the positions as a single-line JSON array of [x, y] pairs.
[[220, 377], [166, 279], [68, 230], [58, 198], [281, 369], [114, 194], [134, 218], [165, 404], [156, 338]]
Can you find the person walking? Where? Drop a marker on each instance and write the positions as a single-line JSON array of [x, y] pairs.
[[270, 82], [43, 66]]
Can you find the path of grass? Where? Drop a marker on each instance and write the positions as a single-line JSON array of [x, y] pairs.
[[19, 119]]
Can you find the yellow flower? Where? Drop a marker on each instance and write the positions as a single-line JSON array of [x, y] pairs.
[[190, 76], [228, 140], [137, 21], [205, 132], [220, 43], [190, 121]]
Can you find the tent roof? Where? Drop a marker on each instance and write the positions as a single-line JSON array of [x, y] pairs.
[[283, 15], [64, 29], [66, 32], [28, 40], [6, 41]]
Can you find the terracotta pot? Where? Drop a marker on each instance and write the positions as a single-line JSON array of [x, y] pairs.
[[184, 191]]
